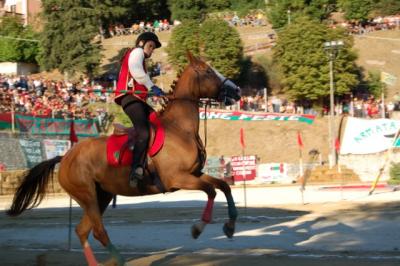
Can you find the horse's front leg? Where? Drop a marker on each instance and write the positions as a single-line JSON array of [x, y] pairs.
[[229, 227], [191, 182]]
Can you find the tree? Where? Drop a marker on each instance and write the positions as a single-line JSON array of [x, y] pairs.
[[185, 37], [68, 37], [278, 10], [358, 10], [243, 7], [187, 9], [222, 46], [215, 40], [386, 8], [304, 63], [13, 47], [217, 5]]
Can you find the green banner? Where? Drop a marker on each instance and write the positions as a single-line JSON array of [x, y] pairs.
[[259, 116], [54, 126]]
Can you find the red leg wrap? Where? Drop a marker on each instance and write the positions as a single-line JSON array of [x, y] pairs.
[[207, 213]]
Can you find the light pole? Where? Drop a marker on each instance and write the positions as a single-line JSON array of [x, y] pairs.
[[288, 16], [332, 48]]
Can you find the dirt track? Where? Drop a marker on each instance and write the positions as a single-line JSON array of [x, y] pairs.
[[337, 233]]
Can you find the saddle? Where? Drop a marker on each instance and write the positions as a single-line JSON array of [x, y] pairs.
[[118, 144]]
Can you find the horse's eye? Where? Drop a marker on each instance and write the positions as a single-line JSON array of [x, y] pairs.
[[209, 71]]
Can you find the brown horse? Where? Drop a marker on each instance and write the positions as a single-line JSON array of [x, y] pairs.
[[87, 177]]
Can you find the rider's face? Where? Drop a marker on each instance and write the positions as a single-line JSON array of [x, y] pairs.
[[148, 48]]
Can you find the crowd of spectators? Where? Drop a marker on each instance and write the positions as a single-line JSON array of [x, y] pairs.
[[53, 99], [157, 25], [362, 106], [379, 23]]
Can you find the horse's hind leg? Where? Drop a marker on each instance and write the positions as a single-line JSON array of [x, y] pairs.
[[229, 227], [93, 209]]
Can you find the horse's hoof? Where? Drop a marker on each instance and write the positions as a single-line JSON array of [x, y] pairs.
[[229, 231], [195, 231]]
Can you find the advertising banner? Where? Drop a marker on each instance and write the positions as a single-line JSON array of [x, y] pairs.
[[259, 116], [244, 167], [32, 150], [54, 147], [365, 136]]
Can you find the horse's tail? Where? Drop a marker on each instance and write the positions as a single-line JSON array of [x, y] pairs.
[[33, 187]]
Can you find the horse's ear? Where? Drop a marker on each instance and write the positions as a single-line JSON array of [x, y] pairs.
[[191, 57]]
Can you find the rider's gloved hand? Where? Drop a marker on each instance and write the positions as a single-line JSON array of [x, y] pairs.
[[157, 91]]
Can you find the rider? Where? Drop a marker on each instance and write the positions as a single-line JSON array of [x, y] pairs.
[[132, 90]]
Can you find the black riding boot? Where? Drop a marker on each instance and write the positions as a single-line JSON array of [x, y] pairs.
[[138, 113]]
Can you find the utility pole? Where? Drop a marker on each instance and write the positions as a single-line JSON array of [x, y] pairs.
[[332, 48], [288, 16]]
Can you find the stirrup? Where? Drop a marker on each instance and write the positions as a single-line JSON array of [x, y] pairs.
[[135, 176]]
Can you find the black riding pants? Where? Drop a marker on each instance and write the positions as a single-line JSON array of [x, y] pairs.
[[138, 112]]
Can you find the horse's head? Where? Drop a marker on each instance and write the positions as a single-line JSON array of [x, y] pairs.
[[206, 82]]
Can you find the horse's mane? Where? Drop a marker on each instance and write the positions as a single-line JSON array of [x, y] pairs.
[[173, 85]]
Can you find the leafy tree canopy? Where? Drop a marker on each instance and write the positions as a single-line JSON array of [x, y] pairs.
[[17, 50], [305, 65], [68, 36], [386, 8], [187, 9], [356, 9], [185, 37], [222, 46], [215, 40], [279, 11]]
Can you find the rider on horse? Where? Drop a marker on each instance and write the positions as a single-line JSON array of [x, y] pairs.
[[132, 90]]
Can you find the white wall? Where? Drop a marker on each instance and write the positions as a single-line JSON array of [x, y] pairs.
[[18, 68]]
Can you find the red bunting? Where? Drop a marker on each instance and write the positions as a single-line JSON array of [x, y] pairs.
[[72, 135], [242, 138], [299, 140]]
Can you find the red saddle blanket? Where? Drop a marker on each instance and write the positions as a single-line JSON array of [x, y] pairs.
[[118, 154]]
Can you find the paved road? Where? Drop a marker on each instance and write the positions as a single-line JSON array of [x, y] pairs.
[[331, 224]]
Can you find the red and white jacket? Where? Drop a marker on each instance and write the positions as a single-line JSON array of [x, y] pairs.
[[133, 78]]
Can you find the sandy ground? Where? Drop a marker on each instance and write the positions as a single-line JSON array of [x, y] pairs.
[[332, 228]]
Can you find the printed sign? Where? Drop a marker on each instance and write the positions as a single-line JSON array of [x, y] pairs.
[[259, 116], [32, 150], [244, 167], [364, 136], [54, 147], [273, 173]]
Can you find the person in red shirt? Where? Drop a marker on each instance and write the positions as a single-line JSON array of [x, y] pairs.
[[132, 90]]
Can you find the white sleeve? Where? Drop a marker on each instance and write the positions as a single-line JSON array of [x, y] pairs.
[[135, 64]]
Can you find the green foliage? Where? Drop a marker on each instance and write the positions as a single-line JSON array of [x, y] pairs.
[[15, 50], [305, 65], [394, 174], [386, 8], [187, 9], [358, 10], [219, 43], [67, 38], [185, 37], [217, 5], [243, 7], [222, 46], [280, 10], [375, 86]]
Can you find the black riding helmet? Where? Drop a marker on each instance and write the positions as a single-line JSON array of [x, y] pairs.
[[148, 36]]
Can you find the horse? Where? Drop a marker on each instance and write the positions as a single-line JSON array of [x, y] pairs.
[[85, 174]]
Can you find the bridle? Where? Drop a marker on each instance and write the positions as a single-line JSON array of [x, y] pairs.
[[221, 98]]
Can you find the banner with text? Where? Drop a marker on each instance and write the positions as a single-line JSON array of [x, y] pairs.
[[364, 136], [247, 116], [55, 147], [244, 167], [32, 150]]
